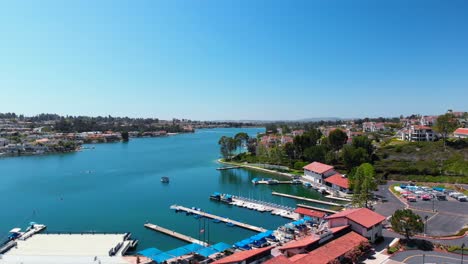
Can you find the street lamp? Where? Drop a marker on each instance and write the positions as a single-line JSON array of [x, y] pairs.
[[462, 246], [425, 225], [424, 257]]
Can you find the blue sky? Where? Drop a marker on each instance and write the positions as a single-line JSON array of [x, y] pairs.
[[226, 59]]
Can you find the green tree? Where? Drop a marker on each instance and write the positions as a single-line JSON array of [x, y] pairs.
[[363, 142], [363, 184], [407, 223], [337, 138], [353, 156], [125, 136], [227, 146], [445, 125], [315, 153], [241, 139]]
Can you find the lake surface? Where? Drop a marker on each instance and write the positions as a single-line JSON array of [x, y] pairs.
[[116, 187]]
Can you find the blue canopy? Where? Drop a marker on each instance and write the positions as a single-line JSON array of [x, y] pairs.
[[439, 189], [221, 246], [193, 247], [177, 252], [149, 252], [160, 258], [207, 251]]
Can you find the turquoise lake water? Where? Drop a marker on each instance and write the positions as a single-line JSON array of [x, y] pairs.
[[116, 187]]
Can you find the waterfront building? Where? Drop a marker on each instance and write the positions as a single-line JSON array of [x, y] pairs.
[[253, 256], [313, 214], [362, 221], [338, 183], [317, 172], [458, 133]]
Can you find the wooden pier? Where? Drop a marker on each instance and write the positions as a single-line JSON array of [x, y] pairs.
[[222, 219], [228, 168], [307, 199], [317, 208], [175, 234], [337, 198]]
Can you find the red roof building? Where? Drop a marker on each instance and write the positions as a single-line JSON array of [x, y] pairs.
[[461, 133], [362, 220], [333, 249], [318, 167], [309, 212], [246, 257], [281, 259], [339, 181]]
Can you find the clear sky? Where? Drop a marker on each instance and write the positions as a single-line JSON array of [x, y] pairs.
[[234, 59]]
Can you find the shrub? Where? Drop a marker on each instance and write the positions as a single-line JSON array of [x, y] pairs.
[[392, 250]]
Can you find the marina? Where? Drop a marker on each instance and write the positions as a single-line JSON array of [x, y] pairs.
[[228, 221], [270, 181], [261, 206], [307, 199], [175, 234]]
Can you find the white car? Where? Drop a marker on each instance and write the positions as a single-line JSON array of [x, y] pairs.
[[462, 198]]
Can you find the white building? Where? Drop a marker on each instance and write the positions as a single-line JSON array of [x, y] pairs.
[[362, 221], [417, 133], [459, 133], [3, 142], [317, 172], [373, 127]]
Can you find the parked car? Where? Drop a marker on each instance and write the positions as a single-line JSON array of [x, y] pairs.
[[411, 198], [462, 198], [453, 194], [448, 191], [426, 197]]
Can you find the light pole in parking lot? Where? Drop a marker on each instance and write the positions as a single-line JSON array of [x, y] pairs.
[[425, 225], [462, 246], [433, 201]]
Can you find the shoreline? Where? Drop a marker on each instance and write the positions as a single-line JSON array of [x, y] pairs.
[[246, 166]]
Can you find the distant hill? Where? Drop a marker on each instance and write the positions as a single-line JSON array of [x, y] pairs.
[[317, 119]]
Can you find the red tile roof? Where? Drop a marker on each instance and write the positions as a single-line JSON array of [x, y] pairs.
[[281, 259], [338, 229], [297, 257], [242, 255], [301, 243], [332, 249], [461, 131], [339, 180], [309, 212], [362, 216], [318, 167]]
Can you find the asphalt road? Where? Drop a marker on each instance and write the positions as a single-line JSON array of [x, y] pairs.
[[416, 257]]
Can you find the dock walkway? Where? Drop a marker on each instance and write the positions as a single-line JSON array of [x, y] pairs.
[[338, 198], [228, 168], [175, 234], [307, 199], [222, 219]]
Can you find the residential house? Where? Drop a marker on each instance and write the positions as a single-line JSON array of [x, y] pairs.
[[458, 133], [297, 132], [3, 142], [428, 120], [373, 127], [362, 221], [417, 133]]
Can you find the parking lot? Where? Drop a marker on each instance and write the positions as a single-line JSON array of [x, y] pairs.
[[448, 217]]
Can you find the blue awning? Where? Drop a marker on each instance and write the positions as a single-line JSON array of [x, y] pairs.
[[149, 252], [160, 258], [221, 246], [207, 252]]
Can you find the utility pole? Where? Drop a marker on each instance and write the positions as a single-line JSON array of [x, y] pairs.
[[462, 247], [425, 226]]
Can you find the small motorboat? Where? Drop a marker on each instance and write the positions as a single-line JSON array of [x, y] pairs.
[[165, 179], [229, 224], [216, 221]]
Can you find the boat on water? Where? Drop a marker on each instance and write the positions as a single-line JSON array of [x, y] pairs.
[[216, 221], [322, 190], [230, 224], [165, 179]]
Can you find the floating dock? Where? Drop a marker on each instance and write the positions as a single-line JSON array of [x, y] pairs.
[[228, 168], [222, 219], [337, 198], [175, 234], [307, 199], [317, 208]]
